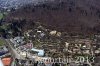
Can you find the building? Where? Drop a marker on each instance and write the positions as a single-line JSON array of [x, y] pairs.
[[17, 41], [3, 50], [40, 52]]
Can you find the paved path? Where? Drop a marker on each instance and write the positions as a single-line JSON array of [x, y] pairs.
[[11, 49]]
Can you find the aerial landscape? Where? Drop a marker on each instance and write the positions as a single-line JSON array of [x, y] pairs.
[[49, 33]]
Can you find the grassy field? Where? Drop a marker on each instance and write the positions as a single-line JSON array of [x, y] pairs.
[[2, 42], [1, 16]]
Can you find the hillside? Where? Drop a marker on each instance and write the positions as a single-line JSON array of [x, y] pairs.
[[72, 16]]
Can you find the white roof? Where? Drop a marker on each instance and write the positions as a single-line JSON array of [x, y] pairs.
[[40, 52]]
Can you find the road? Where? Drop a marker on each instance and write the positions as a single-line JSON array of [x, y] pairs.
[[11, 49]]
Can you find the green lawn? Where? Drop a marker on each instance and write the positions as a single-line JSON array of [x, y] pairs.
[[1, 16], [2, 42]]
